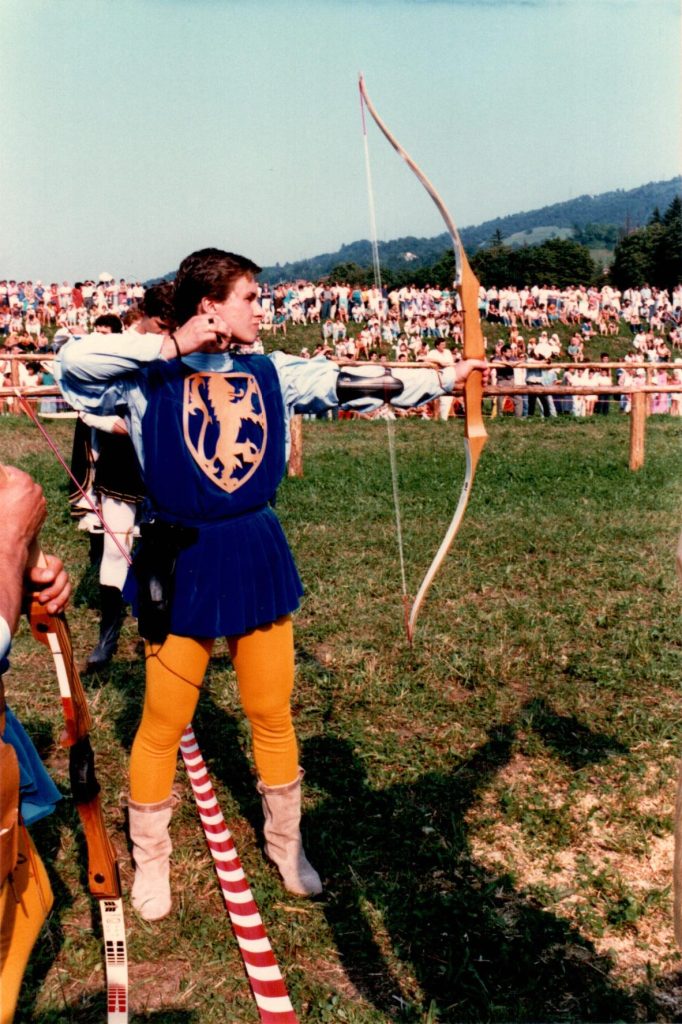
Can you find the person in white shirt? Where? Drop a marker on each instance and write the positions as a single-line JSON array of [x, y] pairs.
[[442, 356]]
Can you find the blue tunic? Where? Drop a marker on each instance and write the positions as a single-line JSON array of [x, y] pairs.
[[210, 432], [214, 457]]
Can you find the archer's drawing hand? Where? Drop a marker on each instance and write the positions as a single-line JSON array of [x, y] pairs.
[[465, 366], [201, 333], [53, 583]]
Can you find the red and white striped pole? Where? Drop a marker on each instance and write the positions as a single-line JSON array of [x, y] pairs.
[[269, 990]]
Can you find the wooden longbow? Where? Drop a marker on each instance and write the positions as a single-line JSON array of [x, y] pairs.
[[475, 435]]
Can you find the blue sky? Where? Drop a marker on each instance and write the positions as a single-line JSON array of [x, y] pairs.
[[138, 130]]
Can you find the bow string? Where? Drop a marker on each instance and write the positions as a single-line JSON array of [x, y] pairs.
[[467, 287]]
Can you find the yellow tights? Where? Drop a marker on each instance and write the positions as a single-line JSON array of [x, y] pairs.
[[264, 662], [24, 905]]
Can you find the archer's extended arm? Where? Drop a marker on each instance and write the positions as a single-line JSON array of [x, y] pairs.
[[354, 383]]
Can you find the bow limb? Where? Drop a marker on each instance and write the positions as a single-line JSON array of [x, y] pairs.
[[103, 875], [53, 632], [467, 286]]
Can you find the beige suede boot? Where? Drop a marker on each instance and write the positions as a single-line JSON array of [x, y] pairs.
[[148, 825], [283, 843]]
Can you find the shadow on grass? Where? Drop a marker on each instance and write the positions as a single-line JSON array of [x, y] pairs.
[[404, 888], [568, 738], [404, 894]]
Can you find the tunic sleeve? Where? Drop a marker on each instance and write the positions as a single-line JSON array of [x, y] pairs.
[[309, 385], [99, 373], [95, 373]]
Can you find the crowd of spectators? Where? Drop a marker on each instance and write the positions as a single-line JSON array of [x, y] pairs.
[[409, 312], [27, 307], [413, 325], [604, 309], [434, 312], [404, 324]]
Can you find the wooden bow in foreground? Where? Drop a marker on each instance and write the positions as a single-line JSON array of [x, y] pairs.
[[467, 287], [103, 876]]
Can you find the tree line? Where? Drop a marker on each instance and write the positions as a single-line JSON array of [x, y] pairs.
[[651, 254]]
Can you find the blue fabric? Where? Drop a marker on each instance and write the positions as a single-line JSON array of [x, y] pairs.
[[180, 490], [37, 792], [240, 574], [256, 581], [215, 454]]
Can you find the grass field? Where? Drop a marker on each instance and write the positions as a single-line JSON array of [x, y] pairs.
[[491, 810]]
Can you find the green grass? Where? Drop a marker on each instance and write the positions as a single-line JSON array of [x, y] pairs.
[[491, 809]]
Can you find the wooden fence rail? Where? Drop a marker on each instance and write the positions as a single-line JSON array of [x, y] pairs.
[[638, 411]]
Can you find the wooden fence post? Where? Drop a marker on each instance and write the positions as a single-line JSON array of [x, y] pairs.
[[637, 429], [296, 451]]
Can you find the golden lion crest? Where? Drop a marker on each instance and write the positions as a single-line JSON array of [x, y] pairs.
[[224, 426]]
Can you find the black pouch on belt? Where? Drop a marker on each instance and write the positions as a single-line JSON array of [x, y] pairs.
[[154, 569]]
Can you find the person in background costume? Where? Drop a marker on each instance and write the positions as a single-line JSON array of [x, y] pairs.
[[210, 423], [27, 793], [105, 464]]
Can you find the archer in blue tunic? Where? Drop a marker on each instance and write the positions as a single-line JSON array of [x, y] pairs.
[[209, 421], [215, 445]]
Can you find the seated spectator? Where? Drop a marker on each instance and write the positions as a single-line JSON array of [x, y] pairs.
[[576, 348], [363, 342], [279, 323], [327, 330]]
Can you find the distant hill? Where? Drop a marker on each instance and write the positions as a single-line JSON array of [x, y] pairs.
[[597, 221], [605, 216]]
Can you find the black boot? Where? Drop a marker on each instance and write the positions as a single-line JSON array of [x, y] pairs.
[[113, 612], [96, 547]]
